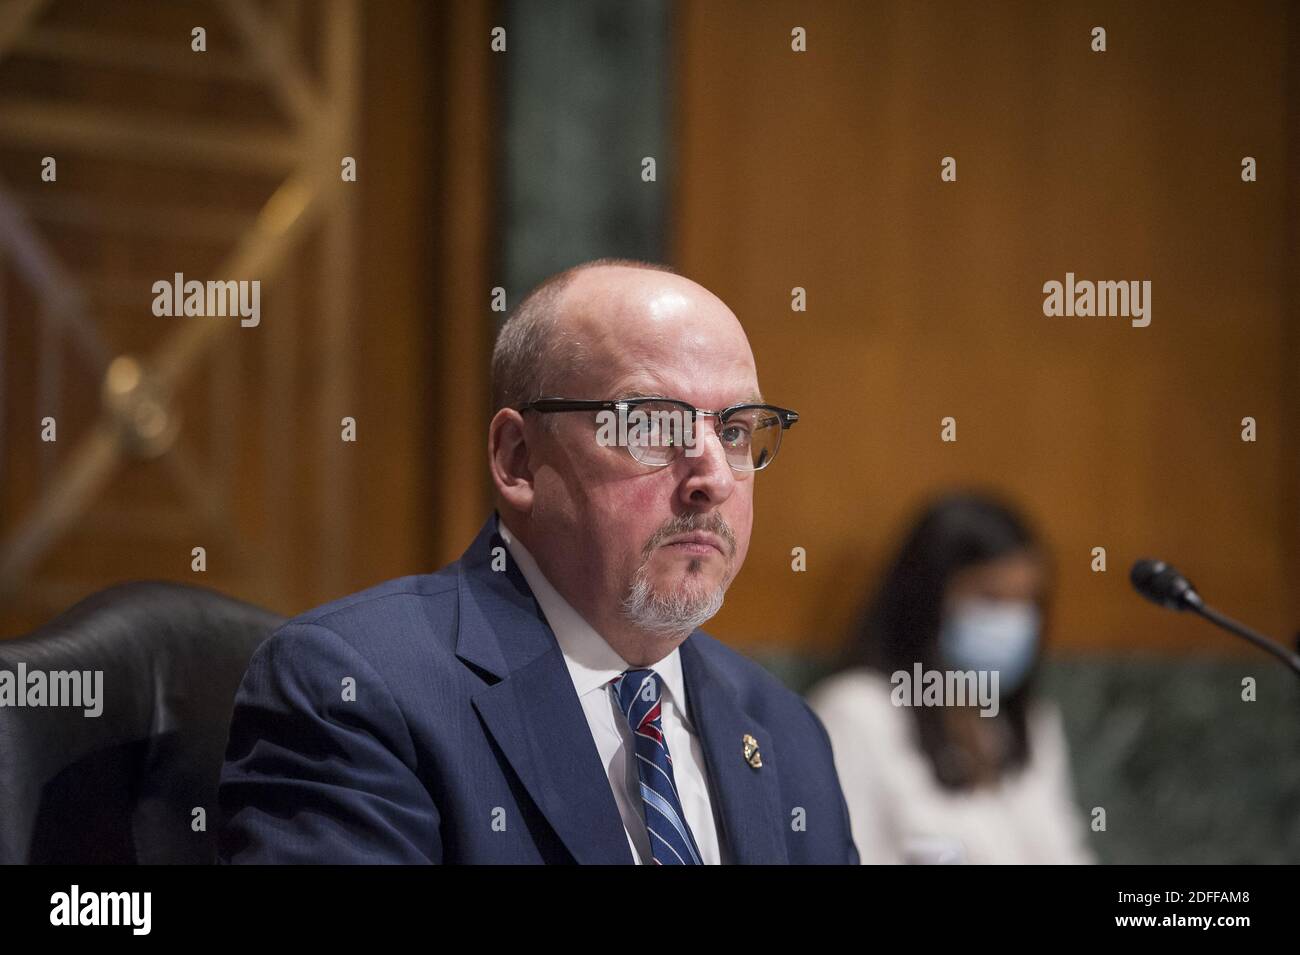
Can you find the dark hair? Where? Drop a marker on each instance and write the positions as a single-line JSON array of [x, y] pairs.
[[901, 624]]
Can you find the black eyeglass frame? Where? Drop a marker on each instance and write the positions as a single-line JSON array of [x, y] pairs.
[[625, 405]]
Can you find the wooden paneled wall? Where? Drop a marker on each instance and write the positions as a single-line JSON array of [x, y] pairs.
[[925, 298]]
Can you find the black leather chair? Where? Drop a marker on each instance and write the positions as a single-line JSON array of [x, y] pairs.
[[123, 787]]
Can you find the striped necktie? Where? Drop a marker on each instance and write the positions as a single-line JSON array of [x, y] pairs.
[[671, 842]]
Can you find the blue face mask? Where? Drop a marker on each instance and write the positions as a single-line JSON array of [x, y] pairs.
[[1000, 635]]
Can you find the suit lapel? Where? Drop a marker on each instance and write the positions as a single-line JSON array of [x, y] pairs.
[[534, 715], [749, 799], [533, 712], [536, 719]]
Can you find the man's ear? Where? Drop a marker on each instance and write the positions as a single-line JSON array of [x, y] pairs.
[[508, 459]]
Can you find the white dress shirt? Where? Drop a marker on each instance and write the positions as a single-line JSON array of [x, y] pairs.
[[592, 664]]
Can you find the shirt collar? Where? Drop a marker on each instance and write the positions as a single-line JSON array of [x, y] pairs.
[[592, 662]]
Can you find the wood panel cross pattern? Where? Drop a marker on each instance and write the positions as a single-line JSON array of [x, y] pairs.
[[158, 143]]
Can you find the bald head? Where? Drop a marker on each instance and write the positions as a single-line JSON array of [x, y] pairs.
[[607, 313], [606, 528]]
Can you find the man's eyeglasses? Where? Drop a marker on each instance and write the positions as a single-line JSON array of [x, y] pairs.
[[656, 430]]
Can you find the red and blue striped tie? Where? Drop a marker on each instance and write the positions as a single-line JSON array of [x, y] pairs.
[[671, 842]]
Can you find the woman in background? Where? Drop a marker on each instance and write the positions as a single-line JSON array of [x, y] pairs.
[[967, 591]]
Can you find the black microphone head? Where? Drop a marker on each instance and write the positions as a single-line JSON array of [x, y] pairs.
[[1162, 584]]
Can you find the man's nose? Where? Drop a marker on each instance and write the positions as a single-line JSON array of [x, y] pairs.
[[709, 477]]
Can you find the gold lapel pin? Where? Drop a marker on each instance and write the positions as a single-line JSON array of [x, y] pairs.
[[752, 755]]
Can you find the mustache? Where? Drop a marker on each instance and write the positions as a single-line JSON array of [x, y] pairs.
[[710, 523]]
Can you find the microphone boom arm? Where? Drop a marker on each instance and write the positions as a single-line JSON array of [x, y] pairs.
[[1240, 629], [1163, 585]]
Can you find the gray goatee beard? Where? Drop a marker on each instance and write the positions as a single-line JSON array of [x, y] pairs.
[[670, 615], [679, 613]]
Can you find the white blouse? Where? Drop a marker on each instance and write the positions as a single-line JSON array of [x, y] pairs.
[[898, 810]]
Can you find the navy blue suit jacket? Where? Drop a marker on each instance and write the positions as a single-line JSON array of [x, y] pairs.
[[462, 738]]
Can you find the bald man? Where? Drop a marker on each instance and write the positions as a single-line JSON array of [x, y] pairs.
[[550, 697]]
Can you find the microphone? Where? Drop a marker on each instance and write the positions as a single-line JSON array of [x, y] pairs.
[[1162, 584]]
